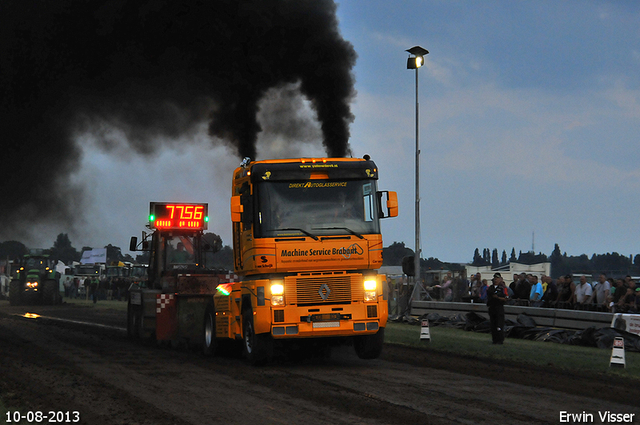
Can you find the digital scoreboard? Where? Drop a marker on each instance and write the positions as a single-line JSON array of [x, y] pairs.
[[176, 216]]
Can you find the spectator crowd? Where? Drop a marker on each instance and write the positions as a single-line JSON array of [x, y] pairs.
[[606, 294]]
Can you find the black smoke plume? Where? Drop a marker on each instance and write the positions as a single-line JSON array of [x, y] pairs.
[[154, 69]]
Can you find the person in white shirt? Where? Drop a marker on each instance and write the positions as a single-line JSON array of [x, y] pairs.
[[583, 293], [601, 292]]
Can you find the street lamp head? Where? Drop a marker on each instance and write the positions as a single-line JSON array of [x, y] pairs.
[[418, 51], [417, 60]]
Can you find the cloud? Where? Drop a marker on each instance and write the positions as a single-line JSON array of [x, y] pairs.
[[490, 146], [120, 187], [625, 98]]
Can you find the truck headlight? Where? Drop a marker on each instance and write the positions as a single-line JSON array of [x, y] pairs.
[[370, 289], [277, 293], [277, 288]]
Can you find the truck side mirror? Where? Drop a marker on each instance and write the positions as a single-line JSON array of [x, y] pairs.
[[133, 243], [391, 204], [236, 209]]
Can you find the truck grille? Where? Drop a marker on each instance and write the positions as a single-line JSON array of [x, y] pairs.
[[278, 316], [323, 288], [372, 311]]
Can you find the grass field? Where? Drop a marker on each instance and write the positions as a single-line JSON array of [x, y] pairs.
[[478, 345], [101, 305]]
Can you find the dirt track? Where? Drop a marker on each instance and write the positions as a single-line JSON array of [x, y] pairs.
[[111, 380]]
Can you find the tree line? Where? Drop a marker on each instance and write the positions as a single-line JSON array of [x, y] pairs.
[[612, 264], [62, 250]]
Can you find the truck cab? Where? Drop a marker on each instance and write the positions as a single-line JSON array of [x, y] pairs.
[[307, 247]]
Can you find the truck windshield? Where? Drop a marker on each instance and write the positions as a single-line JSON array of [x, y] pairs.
[[317, 208]]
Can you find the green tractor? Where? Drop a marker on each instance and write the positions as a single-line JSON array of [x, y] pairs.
[[35, 282]]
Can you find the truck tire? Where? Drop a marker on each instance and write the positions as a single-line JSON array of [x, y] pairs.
[[369, 346], [209, 344], [15, 289], [258, 348]]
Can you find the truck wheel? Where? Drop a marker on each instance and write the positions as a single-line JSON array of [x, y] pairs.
[[15, 292], [209, 332], [369, 346], [258, 348]]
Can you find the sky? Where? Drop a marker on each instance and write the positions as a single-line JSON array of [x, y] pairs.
[[529, 124]]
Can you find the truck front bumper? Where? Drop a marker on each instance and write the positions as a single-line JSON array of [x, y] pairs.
[[307, 322]]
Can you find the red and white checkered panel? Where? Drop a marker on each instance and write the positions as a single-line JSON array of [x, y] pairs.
[[163, 300], [166, 317]]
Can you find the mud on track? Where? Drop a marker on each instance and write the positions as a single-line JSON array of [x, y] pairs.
[[111, 380]]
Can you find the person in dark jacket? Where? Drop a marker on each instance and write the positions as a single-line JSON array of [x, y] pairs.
[[551, 293], [523, 288], [496, 298]]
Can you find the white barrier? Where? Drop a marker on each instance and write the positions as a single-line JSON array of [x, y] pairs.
[[551, 317], [626, 322]]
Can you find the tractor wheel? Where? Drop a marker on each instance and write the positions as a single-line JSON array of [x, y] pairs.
[[142, 335], [209, 332], [49, 289], [258, 348], [369, 346], [58, 294], [15, 292], [132, 322], [148, 337]]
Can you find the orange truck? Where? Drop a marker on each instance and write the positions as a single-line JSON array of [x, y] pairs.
[[307, 247]]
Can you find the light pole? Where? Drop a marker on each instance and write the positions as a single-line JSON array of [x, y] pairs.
[[414, 62]]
